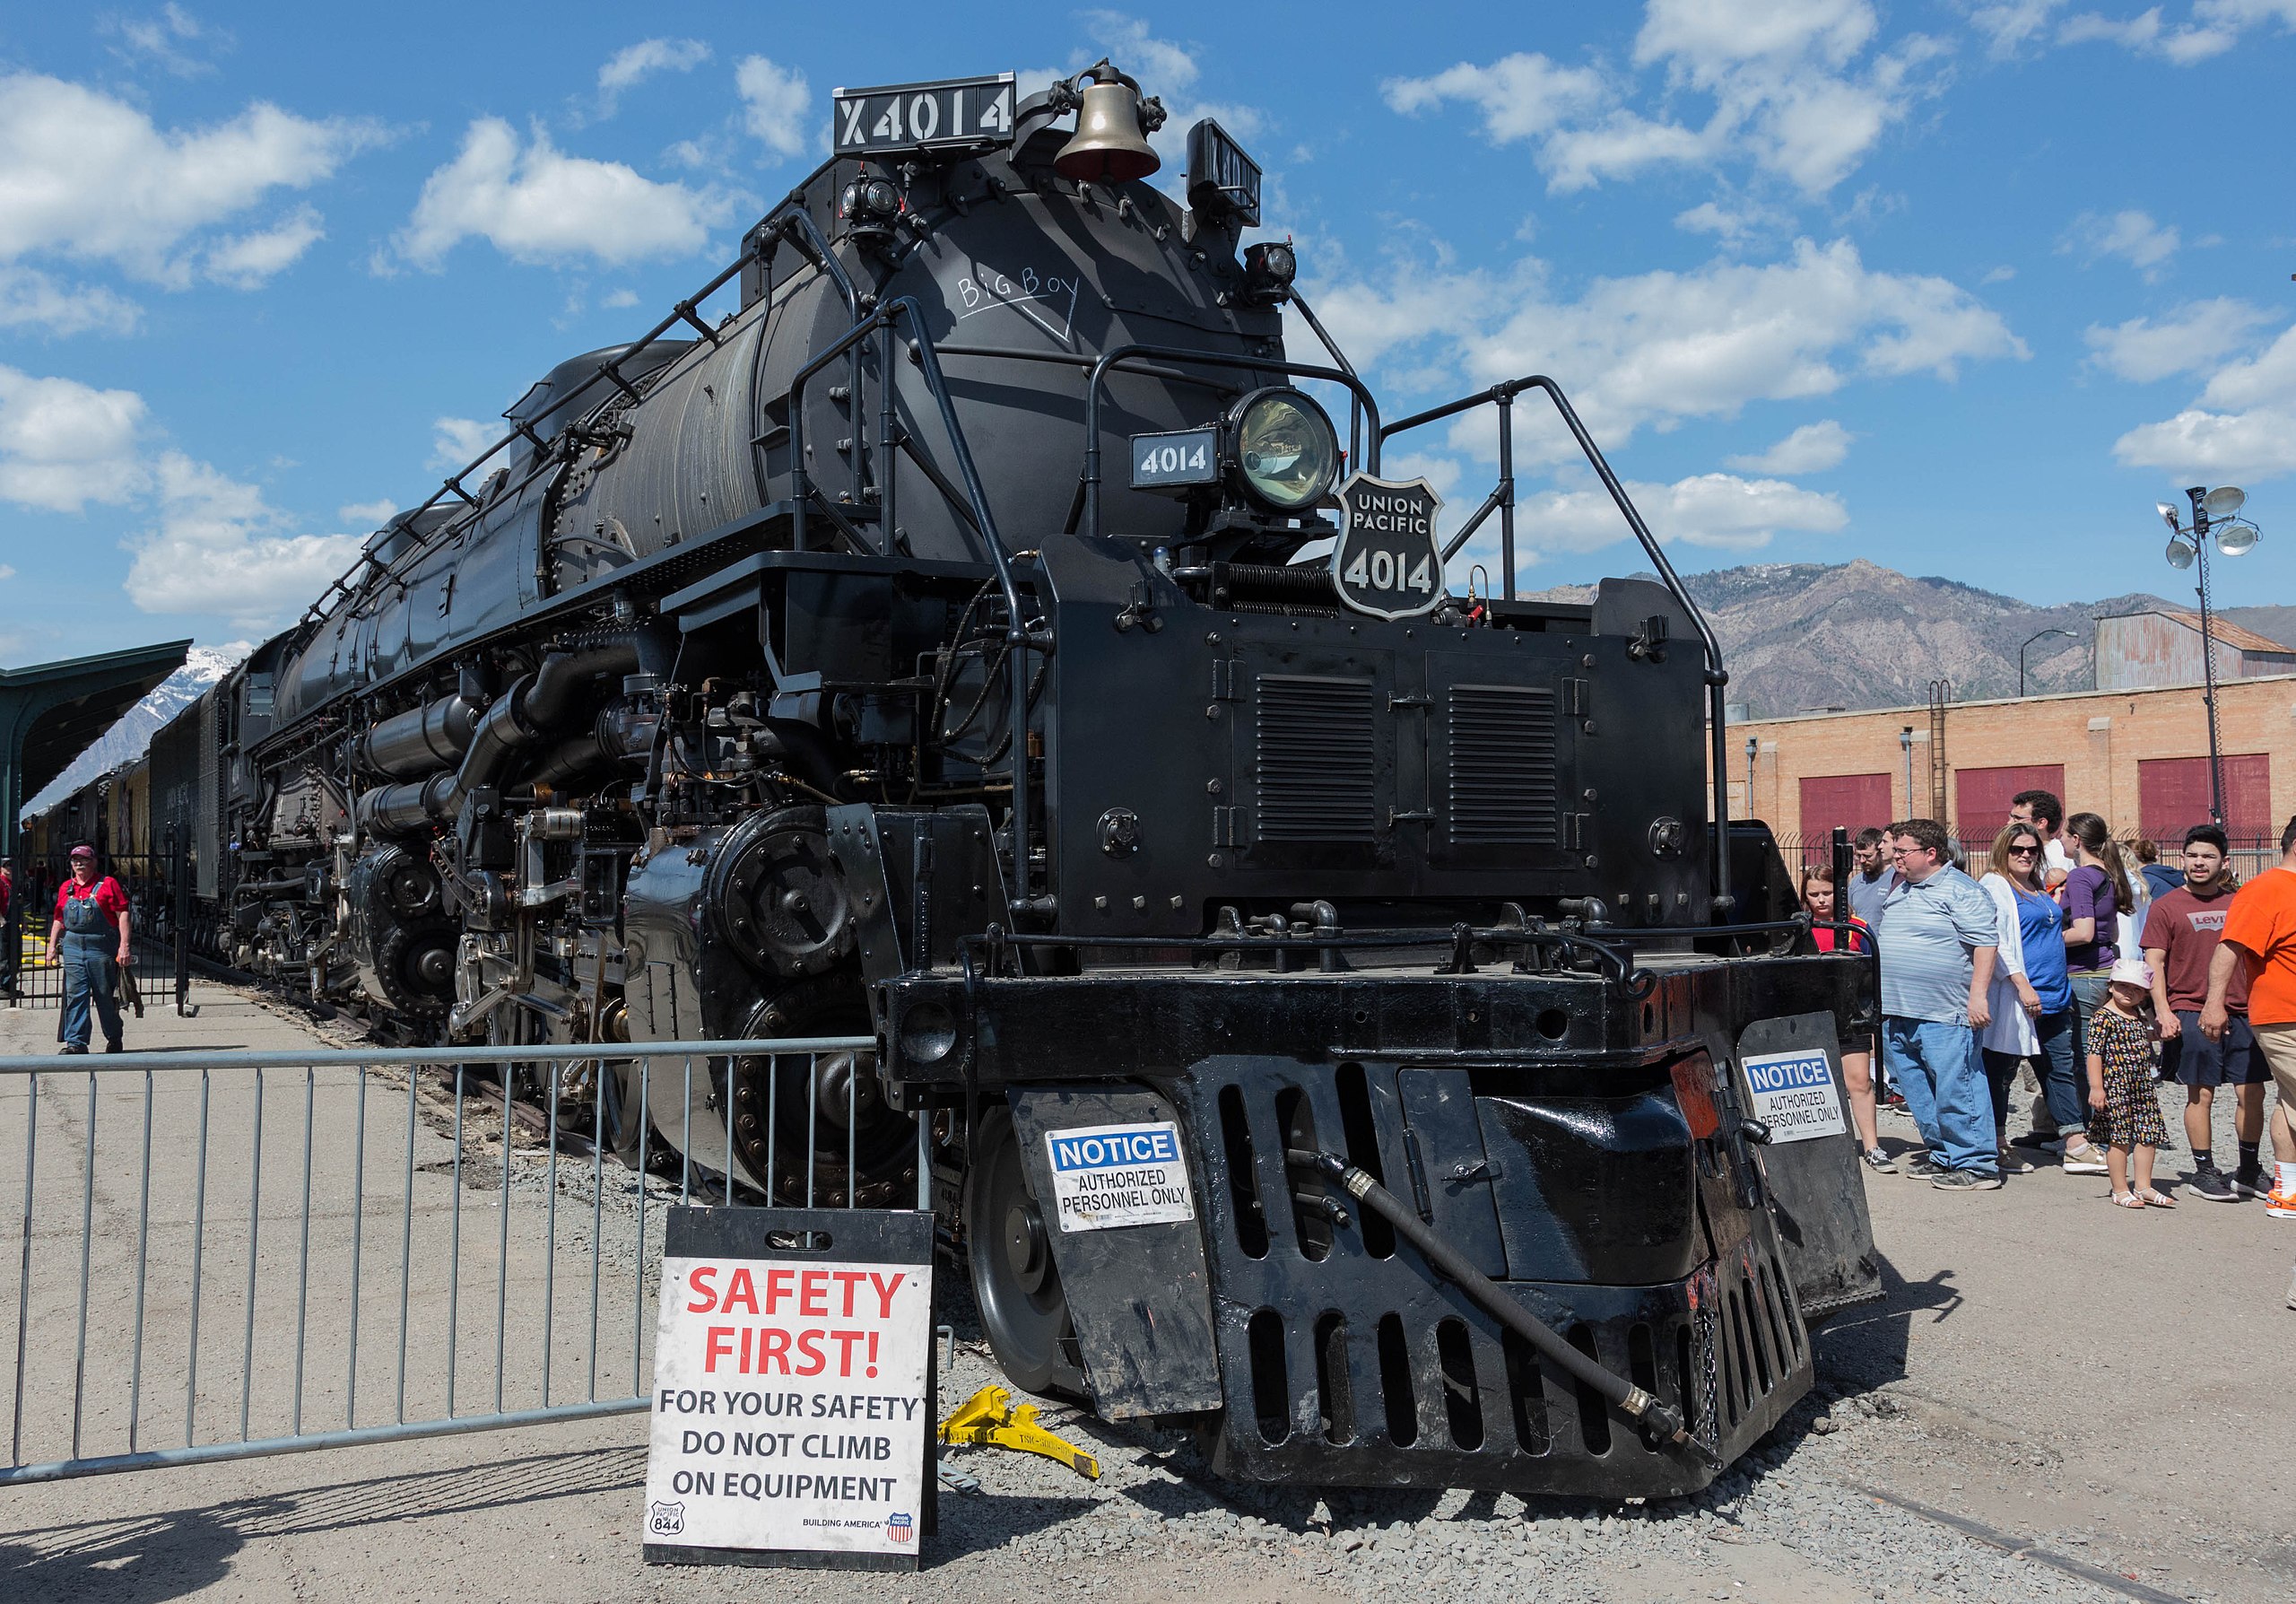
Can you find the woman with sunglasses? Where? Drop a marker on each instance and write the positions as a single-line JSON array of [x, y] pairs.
[[2033, 998]]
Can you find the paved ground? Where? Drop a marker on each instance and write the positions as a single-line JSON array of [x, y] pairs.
[[2052, 1386]]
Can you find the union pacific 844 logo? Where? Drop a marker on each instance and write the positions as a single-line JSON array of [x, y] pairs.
[[1387, 562]]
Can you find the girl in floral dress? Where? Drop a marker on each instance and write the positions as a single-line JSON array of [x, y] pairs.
[[2125, 1117]]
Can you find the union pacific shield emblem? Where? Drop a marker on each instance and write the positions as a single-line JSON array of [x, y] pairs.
[[1387, 562]]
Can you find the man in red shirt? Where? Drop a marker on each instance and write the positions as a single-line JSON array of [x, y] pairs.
[[2181, 934], [90, 920]]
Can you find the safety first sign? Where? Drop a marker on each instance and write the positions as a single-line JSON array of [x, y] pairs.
[[1107, 1175], [789, 1406], [1795, 1095]]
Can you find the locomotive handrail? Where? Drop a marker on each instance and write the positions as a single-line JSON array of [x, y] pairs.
[[1503, 395], [1109, 359], [1018, 636], [1354, 411]]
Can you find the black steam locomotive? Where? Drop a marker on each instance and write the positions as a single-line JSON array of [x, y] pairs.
[[1339, 1017]]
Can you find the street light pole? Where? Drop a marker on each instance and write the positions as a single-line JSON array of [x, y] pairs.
[[2212, 510], [2044, 635], [2199, 493], [1752, 747]]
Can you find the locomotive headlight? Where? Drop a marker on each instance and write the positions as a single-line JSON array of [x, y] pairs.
[[1284, 449]]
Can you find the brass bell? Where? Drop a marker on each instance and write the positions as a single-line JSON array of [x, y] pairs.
[[1107, 144]]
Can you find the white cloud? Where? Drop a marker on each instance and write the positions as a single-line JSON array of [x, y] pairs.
[[1521, 96], [774, 102], [2130, 236], [64, 444], [1657, 348], [536, 205], [90, 178], [164, 39], [619, 299], [1733, 223], [634, 64], [1161, 67], [29, 299], [216, 549], [2191, 338], [369, 514], [1706, 510], [6, 572], [1811, 448], [249, 261], [2242, 426], [454, 442], [2008, 26], [1796, 87], [2212, 28]]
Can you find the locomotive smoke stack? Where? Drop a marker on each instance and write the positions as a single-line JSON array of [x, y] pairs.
[[1112, 126]]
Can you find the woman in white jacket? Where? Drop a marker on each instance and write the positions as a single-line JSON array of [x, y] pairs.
[[2033, 998]]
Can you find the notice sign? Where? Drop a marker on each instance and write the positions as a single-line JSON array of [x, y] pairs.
[[1794, 1095], [1108, 1175], [791, 1406]]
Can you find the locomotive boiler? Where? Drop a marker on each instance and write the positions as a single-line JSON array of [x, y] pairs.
[[993, 636]]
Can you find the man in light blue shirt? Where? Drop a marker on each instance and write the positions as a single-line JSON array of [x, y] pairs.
[[1937, 933]]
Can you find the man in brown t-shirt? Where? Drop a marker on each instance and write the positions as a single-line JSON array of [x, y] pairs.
[[2181, 932]]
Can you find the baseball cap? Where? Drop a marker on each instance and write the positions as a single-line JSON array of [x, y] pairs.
[[84, 851], [2132, 971]]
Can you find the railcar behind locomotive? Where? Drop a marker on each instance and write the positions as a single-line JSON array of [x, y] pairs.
[[981, 639]]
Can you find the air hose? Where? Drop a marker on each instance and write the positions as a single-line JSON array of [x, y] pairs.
[[1639, 1406]]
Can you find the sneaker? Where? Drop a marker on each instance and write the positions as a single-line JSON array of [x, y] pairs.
[[1966, 1181], [2039, 1140], [1879, 1162], [2209, 1185], [2089, 1160], [68, 1048], [2280, 1205], [1895, 1104], [1920, 1166], [2249, 1183]]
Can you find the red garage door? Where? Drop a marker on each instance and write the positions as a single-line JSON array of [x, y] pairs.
[[2173, 797], [1981, 797], [1854, 801]]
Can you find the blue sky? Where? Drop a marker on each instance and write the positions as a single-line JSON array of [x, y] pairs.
[[1960, 287]]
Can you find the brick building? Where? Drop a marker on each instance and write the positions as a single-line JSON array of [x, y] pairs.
[[2138, 757]]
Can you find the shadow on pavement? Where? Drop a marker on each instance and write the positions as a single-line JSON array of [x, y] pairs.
[[154, 1557]]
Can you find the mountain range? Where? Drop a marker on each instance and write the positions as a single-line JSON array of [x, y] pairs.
[[1802, 637]]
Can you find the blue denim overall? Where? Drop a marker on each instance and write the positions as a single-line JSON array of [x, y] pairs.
[[90, 967]]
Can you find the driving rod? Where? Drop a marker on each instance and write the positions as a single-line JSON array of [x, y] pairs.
[[1639, 1406]]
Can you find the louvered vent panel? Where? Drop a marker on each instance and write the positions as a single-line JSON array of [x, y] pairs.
[[1315, 767], [1503, 784]]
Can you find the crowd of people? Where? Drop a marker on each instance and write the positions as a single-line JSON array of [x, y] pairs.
[[2104, 970]]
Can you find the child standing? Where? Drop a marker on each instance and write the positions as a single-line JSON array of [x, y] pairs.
[[2124, 1114]]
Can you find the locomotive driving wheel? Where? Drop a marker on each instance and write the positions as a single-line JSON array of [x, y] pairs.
[[1023, 1311], [824, 1135]]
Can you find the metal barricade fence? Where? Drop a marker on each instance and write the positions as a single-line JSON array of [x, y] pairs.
[[163, 1258]]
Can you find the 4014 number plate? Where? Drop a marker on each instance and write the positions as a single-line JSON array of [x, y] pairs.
[[952, 115]]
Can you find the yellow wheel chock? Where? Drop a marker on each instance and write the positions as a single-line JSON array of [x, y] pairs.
[[989, 1419]]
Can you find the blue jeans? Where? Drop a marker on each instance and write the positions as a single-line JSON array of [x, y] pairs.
[[1936, 1069], [91, 974], [2064, 1085]]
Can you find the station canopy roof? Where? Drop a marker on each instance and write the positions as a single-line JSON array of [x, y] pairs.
[[58, 710]]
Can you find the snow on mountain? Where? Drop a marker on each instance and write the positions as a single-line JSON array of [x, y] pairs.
[[131, 737]]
